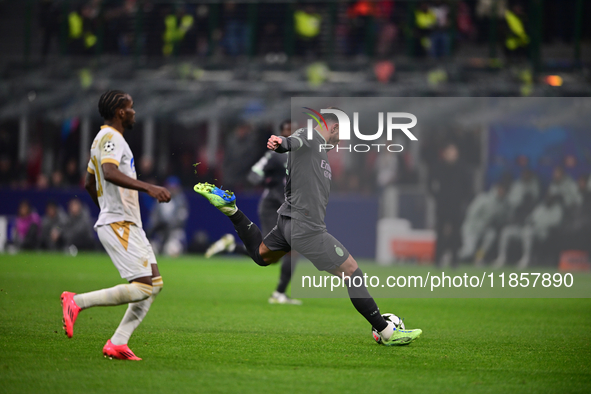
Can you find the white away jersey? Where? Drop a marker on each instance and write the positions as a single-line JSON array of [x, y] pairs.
[[116, 203]]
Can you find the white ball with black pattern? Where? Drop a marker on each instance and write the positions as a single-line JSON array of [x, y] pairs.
[[391, 318]]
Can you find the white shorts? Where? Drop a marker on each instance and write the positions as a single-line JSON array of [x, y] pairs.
[[129, 248]]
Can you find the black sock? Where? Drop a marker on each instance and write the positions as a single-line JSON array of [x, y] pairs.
[[364, 303], [241, 249], [285, 275], [250, 234]]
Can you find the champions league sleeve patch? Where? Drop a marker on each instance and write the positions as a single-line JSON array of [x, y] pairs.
[[109, 146]]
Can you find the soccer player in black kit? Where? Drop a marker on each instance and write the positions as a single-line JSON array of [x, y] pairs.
[[300, 225], [269, 171]]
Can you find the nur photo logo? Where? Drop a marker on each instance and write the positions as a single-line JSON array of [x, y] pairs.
[[392, 124]]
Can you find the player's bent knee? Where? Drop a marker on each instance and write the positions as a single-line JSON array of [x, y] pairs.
[[137, 291], [268, 256], [349, 267], [157, 285]]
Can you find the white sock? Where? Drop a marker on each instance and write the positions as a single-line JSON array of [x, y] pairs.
[[120, 294], [134, 315], [387, 332]]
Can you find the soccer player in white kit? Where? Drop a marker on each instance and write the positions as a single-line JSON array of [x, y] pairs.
[[112, 183]]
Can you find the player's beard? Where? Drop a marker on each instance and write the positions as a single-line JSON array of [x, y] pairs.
[[129, 125], [334, 140]]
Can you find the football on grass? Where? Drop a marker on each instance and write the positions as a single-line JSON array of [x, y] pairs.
[[392, 318]]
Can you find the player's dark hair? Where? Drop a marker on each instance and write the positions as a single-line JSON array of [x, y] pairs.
[[283, 123], [110, 102], [331, 118]]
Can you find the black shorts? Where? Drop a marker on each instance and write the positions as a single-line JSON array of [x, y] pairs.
[[268, 214], [317, 245]]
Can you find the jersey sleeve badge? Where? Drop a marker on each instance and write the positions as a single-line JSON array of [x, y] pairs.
[[109, 146]]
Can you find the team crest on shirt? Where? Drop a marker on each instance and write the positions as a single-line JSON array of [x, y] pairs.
[[109, 146]]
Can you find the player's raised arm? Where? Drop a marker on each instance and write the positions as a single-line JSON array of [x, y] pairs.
[[285, 144], [274, 142], [113, 175]]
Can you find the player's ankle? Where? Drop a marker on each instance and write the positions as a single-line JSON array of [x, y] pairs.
[[229, 211], [387, 332], [115, 340]]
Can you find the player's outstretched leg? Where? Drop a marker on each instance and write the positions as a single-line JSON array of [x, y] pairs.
[[73, 303], [248, 232], [367, 307], [116, 347], [279, 296]]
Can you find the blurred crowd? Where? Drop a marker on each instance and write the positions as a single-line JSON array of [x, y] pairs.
[[275, 29], [57, 229], [52, 158], [517, 221], [71, 229]]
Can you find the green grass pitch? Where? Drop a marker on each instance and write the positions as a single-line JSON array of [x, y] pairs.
[[212, 330]]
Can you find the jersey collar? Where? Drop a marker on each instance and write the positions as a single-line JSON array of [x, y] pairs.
[[320, 135], [105, 126]]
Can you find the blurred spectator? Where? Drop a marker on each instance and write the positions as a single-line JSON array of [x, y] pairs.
[[57, 179], [240, 153], [387, 29], [523, 196], [307, 24], [465, 26], [42, 182], [176, 26], [34, 163], [20, 176], [7, 174], [386, 167], [52, 227], [73, 176], [202, 30], [546, 216], [487, 212], [49, 19], [361, 22], [146, 170], [82, 23], [578, 229], [516, 38], [167, 221], [120, 25], [186, 170], [26, 227], [8, 144], [273, 40], [235, 31], [564, 186], [77, 230], [425, 22], [75, 32], [440, 39], [125, 21], [487, 12], [447, 184], [154, 28]]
